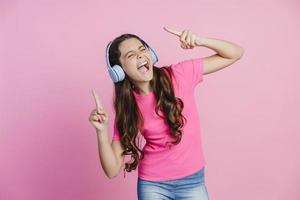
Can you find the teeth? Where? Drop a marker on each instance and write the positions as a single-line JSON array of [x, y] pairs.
[[143, 64]]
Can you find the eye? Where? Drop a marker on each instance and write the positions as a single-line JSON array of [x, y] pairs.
[[129, 56]]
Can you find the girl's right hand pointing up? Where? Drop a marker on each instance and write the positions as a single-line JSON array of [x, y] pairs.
[[98, 117]]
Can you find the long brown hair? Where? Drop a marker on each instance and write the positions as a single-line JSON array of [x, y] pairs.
[[129, 120]]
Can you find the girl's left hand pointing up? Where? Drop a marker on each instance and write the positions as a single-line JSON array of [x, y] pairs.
[[187, 38]]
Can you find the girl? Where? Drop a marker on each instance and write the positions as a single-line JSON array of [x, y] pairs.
[[159, 104]]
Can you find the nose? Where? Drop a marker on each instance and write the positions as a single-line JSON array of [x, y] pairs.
[[140, 55]]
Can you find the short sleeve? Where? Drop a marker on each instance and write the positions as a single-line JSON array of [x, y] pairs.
[[191, 70], [116, 134]]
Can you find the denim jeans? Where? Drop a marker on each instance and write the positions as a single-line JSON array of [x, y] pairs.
[[191, 187]]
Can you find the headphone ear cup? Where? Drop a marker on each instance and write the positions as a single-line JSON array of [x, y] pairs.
[[153, 55], [116, 73]]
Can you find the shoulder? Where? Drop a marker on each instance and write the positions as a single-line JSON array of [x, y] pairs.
[[189, 70]]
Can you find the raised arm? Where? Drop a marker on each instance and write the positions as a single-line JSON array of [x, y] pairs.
[[227, 52], [109, 154]]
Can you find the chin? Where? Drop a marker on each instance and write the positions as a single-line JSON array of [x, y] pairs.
[[151, 75]]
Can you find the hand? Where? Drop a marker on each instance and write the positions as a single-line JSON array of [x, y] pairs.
[[98, 117], [187, 38]]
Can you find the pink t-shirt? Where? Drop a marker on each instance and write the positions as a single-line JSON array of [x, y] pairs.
[[161, 162]]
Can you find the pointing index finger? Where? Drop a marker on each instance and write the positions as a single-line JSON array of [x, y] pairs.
[[178, 33], [98, 104]]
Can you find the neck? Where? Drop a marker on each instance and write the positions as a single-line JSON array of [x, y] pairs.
[[143, 88]]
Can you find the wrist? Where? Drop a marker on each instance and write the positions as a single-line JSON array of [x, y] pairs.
[[101, 131], [200, 41]]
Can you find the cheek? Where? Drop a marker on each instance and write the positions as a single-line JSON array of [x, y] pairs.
[[130, 67], [131, 64]]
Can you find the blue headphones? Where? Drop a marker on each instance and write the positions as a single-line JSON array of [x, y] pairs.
[[116, 72]]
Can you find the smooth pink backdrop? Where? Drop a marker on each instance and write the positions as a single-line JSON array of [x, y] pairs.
[[52, 54]]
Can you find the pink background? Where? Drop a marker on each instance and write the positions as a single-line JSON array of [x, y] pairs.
[[52, 54]]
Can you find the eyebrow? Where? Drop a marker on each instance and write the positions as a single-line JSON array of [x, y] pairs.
[[132, 50]]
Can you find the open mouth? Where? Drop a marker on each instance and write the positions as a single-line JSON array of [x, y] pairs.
[[144, 67]]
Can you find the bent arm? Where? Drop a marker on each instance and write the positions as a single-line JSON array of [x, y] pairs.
[[227, 54], [225, 49], [109, 161]]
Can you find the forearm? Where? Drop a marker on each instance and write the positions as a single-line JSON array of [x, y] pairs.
[[224, 48], [106, 154]]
